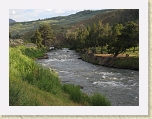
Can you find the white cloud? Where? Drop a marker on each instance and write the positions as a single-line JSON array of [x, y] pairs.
[[59, 11], [13, 12], [21, 15], [48, 9]]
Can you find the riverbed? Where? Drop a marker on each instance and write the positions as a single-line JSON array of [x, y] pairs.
[[121, 86]]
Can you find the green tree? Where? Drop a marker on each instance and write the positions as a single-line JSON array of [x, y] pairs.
[[82, 37], [37, 39], [115, 46], [46, 34], [93, 37], [17, 36], [100, 36], [130, 35], [124, 37], [10, 36], [33, 40]]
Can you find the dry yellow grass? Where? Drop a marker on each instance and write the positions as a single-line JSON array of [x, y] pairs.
[[110, 55]]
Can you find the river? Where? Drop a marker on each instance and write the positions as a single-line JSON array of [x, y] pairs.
[[121, 86]]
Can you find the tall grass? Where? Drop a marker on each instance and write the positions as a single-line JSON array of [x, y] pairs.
[[77, 96], [33, 52], [23, 71], [33, 73], [99, 100], [75, 93]]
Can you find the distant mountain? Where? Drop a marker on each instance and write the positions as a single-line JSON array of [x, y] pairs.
[[11, 21]]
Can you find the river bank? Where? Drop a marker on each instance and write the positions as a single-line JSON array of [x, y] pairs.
[[107, 60], [33, 84]]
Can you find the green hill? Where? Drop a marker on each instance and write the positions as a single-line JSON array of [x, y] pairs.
[[63, 23]]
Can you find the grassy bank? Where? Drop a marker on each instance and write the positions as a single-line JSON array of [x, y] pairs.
[[127, 63], [122, 62], [32, 84]]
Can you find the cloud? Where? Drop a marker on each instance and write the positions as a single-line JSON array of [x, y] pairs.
[[13, 12], [21, 15], [58, 11], [48, 9]]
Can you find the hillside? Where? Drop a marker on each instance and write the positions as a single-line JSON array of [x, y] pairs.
[[11, 21], [73, 21], [111, 17], [55, 22]]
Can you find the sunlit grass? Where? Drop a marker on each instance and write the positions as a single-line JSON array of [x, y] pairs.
[[32, 84]]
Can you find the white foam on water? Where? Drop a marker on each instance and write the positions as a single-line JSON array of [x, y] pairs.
[[111, 83]]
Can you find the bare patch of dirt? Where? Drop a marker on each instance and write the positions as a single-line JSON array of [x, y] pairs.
[[111, 55]]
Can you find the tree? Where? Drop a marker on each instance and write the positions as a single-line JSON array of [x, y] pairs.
[[82, 37], [95, 29], [115, 46], [100, 36], [124, 37], [10, 36], [37, 39], [33, 40], [93, 37], [17, 36], [46, 34], [130, 35]]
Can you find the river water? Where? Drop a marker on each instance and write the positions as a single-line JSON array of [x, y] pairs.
[[120, 86]]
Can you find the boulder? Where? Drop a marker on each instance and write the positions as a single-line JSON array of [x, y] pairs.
[[44, 57]]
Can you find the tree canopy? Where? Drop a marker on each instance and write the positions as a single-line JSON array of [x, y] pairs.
[[116, 38], [43, 35], [46, 34]]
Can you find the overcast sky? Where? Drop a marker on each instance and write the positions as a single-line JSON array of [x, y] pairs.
[[21, 15]]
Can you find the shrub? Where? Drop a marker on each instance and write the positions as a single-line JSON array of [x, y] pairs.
[[74, 91], [77, 96], [99, 100]]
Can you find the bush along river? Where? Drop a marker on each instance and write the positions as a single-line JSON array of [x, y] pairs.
[[121, 86]]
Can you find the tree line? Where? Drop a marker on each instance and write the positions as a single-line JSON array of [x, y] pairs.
[[116, 38]]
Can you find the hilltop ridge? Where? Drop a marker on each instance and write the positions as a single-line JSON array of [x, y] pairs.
[[83, 18]]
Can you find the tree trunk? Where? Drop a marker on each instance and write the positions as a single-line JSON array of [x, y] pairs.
[[115, 55], [134, 49], [101, 51]]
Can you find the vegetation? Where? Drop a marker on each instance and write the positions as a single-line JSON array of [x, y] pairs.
[[124, 38], [94, 100], [117, 39], [32, 84], [101, 31], [43, 36], [33, 52], [72, 22], [37, 39]]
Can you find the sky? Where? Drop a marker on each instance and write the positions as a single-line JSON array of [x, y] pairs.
[[21, 15]]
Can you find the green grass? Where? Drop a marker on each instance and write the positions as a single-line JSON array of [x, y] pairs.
[[99, 100], [129, 63], [77, 96], [32, 52], [31, 84]]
